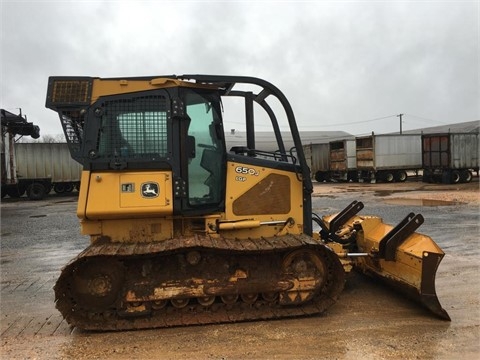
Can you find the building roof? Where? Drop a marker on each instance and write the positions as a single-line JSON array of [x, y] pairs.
[[464, 127], [266, 140]]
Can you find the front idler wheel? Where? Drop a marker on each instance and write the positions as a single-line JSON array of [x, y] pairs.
[[97, 284]]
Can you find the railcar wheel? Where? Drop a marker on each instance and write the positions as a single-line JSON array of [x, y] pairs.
[[401, 176], [59, 188], [319, 176], [69, 187], [15, 191], [388, 177], [36, 191], [455, 179], [466, 176]]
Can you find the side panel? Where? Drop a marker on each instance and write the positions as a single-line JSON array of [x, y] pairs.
[[129, 230], [365, 152], [46, 160], [338, 156], [450, 151], [320, 157], [464, 148], [351, 154], [115, 195], [264, 195], [317, 157], [435, 151], [343, 155], [398, 151]]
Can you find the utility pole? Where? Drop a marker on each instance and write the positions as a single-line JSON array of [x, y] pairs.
[[400, 116]]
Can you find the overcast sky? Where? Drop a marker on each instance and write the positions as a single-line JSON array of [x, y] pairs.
[[344, 65]]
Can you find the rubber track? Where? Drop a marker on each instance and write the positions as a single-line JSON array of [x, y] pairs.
[[195, 314]]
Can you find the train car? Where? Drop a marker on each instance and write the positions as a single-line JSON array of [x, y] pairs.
[[450, 157], [388, 157], [49, 165]]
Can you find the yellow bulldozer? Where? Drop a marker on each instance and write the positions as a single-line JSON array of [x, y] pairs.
[[184, 231]]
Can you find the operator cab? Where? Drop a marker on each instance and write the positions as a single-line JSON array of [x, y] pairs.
[[177, 129]]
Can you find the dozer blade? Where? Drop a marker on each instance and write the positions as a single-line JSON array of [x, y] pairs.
[[399, 256]]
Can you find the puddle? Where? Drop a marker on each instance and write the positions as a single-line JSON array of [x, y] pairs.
[[388, 192], [324, 196], [65, 201], [421, 202]]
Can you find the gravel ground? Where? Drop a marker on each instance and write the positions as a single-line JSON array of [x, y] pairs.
[[368, 322], [460, 193]]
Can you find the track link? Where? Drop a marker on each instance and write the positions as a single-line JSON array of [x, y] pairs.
[[197, 280]]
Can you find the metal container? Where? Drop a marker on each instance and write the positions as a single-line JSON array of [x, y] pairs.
[[342, 155], [317, 156], [46, 160], [389, 152], [453, 151]]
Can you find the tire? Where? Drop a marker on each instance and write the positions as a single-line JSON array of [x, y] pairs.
[[455, 178], [352, 176], [15, 191], [401, 176], [68, 187], [319, 177], [466, 176], [388, 177], [59, 188], [427, 176], [36, 191]]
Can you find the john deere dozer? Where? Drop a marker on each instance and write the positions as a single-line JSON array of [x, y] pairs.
[[184, 231]]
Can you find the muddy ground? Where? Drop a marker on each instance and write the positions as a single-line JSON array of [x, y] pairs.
[[368, 322]]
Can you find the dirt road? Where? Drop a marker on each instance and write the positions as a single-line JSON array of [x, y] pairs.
[[368, 322]]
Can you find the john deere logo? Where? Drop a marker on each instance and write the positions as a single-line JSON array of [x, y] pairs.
[[150, 190]]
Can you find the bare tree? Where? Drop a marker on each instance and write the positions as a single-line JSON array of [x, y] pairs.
[[47, 138]]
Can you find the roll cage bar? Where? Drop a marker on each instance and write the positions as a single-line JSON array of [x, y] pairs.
[[226, 84]]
